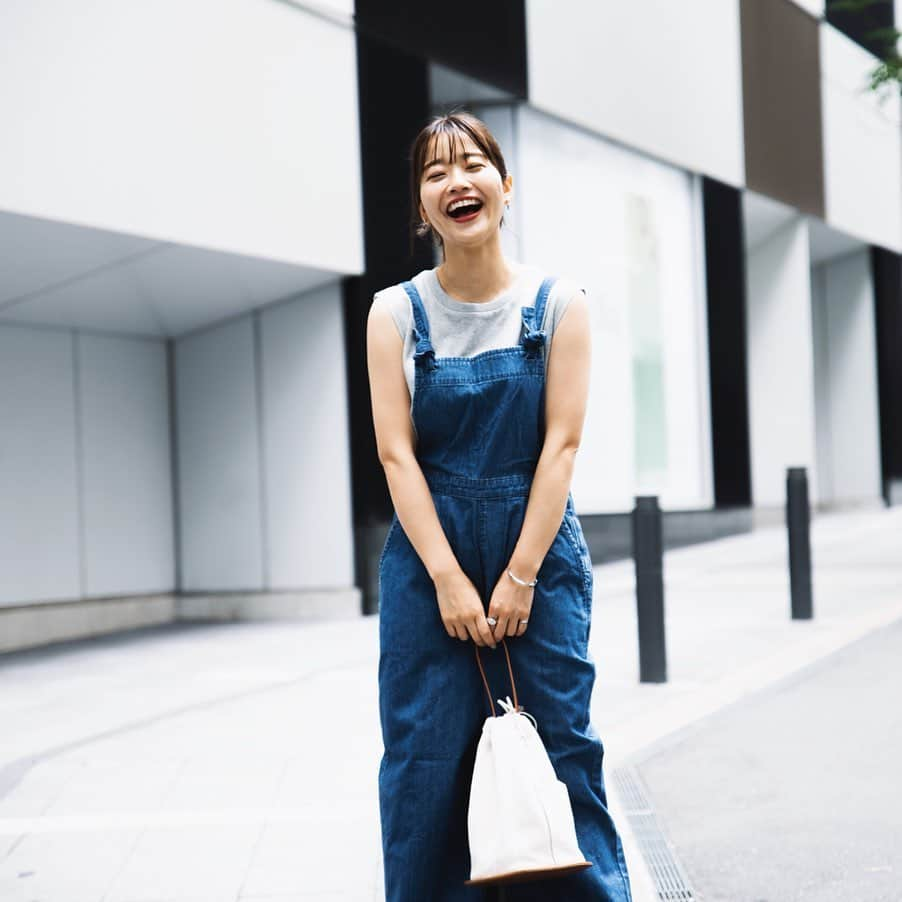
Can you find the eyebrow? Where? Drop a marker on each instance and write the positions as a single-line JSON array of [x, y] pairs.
[[439, 162]]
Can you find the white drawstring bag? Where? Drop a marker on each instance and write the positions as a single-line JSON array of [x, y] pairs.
[[520, 821]]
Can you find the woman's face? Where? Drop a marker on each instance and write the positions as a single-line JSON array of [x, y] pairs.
[[445, 185]]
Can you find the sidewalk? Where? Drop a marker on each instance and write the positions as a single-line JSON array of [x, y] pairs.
[[729, 631], [220, 762]]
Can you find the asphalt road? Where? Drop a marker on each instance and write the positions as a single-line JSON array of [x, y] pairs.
[[796, 792]]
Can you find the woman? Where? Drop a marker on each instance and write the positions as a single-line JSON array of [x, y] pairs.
[[478, 416]]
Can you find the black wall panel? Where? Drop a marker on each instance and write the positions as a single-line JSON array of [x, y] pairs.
[[887, 272], [485, 40], [394, 105], [858, 23], [725, 273]]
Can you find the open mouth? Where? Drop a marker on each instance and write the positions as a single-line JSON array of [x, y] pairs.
[[466, 210]]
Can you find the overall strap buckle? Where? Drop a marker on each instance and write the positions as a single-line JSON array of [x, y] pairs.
[[424, 355], [533, 339]]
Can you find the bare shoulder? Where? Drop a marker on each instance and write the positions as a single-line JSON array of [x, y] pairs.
[[389, 394], [380, 310], [391, 304]]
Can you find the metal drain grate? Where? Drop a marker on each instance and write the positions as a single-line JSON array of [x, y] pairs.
[[668, 875]]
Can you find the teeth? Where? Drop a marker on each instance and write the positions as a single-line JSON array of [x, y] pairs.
[[460, 203]]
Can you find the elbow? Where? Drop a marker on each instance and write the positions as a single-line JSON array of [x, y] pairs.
[[393, 458], [562, 444], [568, 453]]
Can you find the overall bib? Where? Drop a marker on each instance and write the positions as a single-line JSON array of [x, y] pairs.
[[480, 424]]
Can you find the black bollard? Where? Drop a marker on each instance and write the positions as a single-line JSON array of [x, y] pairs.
[[798, 519], [648, 554]]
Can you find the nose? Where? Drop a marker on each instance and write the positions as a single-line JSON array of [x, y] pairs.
[[458, 178]]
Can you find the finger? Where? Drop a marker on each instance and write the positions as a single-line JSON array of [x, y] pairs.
[[512, 625], [474, 633], [521, 628], [460, 632], [485, 631], [500, 631]]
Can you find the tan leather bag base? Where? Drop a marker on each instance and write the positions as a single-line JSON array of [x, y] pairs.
[[531, 874]]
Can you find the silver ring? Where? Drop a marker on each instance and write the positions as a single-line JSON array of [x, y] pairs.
[[523, 622], [491, 621]]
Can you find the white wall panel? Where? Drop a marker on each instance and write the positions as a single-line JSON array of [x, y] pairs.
[[862, 145], [815, 7], [848, 425], [338, 8], [626, 228], [39, 493], [227, 125], [128, 517], [219, 459], [780, 363], [305, 439], [661, 76]]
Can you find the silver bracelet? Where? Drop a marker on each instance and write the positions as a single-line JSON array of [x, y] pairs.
[[520, 581]]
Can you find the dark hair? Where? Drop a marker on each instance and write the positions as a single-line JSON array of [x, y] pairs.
[[455, 126]]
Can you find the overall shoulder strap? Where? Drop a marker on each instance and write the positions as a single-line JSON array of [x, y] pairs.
[[542, 299], [424, 354]]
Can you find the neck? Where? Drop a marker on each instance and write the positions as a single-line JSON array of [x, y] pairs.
[[475, 273]]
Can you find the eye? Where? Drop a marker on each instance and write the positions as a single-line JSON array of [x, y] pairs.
[[475, 166], [434, 176]]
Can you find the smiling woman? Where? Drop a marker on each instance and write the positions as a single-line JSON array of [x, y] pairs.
[[478, 420]]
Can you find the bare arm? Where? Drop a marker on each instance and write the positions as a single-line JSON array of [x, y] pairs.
[[459, 603], [566, 396]]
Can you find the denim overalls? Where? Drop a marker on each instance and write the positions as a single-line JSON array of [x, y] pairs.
[[480, 427]]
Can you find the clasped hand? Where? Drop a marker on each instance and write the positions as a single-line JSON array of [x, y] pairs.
[[463, 615]]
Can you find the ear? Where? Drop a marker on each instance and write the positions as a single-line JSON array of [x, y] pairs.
[[508, 185]]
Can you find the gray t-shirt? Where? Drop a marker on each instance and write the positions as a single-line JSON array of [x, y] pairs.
[[466, 328]]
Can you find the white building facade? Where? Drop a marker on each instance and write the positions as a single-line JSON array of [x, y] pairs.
[[197, 201]]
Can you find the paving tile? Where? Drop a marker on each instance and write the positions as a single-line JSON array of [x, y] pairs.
[[64, 866], [8, 842], [39, 787], [205, 861], [202, 785], [328, 857], [305, 897], [103, 785]]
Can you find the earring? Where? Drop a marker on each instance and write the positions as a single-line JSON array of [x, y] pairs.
[[425, 225]]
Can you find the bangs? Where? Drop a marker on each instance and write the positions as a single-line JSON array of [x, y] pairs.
[[448, 134]]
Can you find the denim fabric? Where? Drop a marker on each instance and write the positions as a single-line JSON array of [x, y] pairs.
[[480, 427]]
